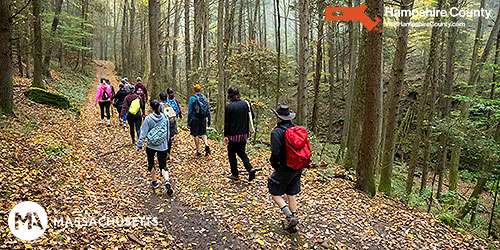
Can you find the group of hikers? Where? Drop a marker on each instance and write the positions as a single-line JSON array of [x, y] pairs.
[[290, 146]]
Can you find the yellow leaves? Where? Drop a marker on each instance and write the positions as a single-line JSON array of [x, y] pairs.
[[260, 242]]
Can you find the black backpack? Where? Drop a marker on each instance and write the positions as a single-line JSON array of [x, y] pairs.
[[105, 96]]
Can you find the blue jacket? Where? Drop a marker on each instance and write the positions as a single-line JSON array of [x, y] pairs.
[[149, 123], [191, 102]]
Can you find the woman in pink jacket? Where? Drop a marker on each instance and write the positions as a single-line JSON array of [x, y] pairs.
[[104, 96]]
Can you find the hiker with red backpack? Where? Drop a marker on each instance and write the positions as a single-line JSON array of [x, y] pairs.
[[198, 116], [237, 126], [290, 154], [131, 107], [142, 91], [155, 131], [104, 97]]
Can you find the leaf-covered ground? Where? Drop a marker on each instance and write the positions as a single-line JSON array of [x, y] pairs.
[[75, 168]]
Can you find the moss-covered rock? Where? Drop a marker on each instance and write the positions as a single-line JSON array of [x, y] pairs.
[[45, 97]]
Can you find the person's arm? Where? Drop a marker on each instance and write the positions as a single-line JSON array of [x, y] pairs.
[[180, 108], [190, 109], [276, 146], [209, 116], [144, 133], [98, 94]]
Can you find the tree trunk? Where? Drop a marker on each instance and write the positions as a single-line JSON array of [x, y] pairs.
[[187, 47], [154, 47], [302, 64], [422, 103], [446, 100], [124, 38], [175, 44], [131, 45], [370, 133], [197, 39], [317, 73], [37, 45], [6, 99], [392, 105], [220, 66], [278, 51], [55, 23]]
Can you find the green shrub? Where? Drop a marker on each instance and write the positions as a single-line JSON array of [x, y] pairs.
[[447, 218], [45, 97]]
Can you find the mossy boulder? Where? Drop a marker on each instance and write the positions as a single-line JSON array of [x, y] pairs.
[[45, 97]]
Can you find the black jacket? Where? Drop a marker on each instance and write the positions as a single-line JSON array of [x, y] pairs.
[[236, 120], [278, 154], [119, 97]]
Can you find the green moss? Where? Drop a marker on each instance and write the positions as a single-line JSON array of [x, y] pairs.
[[45, 97]]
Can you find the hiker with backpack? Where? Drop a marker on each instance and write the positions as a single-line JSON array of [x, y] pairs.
[[104, 96], [174, 103], [237, 126], [131, 107], [171, 114], [142, 91], [118, 102], [198, 116], [290, 154], [155, 131]]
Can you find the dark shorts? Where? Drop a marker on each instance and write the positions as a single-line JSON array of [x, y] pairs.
[[198, 127], [284, 182]]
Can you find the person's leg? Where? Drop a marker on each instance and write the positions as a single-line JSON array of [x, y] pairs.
[[233, 162], [292, 203], [205, 141], [150, 153], [107, 106], [130, 120], [197, 145], [162, 159], [170, 140], [246, 161], [138, 123], [101, 107]]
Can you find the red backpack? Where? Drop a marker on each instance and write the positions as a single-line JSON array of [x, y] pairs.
[[297, 148]]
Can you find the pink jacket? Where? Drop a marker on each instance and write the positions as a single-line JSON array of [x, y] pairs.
[[100, 90]]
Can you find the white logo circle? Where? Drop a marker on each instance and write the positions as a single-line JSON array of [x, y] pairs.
[[28, 220]]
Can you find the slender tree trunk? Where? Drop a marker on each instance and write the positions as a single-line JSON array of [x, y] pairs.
[[115, 27], [317, 73], [370, 132], [302, 65], [206, 27], [124, 38], [175, 44], [422, 103], [154, 47], [220, 66], [37, 45], [6, 99], [392, 106], [55, 23], [197, 42], [131, 45], [332, 59], [264, 18], [187, 47], [278, 51]]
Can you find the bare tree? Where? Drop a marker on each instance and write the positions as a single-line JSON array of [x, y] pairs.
[[154, 46], [6, 99], [37, 45]]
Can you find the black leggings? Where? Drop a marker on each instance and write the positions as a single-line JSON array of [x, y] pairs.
[[105, 107], [134, 122], [162, 159], [237, 148]]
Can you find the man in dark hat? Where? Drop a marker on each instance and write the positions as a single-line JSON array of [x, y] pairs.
[[284, 183]]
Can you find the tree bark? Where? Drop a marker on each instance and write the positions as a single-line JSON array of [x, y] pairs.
[[37, 45], [302, 64], [154, 47], [6, 99], [392, 106], [317, 73], [175, 44], [422, 103], [124, 38], [370, 133], [55, 22], [187, 47], [131, 45], [278, 51], [197, 39], [220, 66]]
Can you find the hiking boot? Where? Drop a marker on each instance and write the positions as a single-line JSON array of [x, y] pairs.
[[251, 174], [291, 223], [198, 154], [155, 185], [232, 177], [168, 188], [207, 150]]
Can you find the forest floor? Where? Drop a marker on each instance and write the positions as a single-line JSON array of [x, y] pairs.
[[75, 168]]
